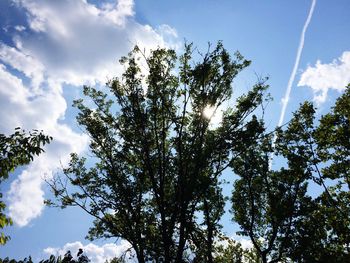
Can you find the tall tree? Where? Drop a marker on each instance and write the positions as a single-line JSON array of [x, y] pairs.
[[17, 149], [157, 160], [274, 207], [329, 147]]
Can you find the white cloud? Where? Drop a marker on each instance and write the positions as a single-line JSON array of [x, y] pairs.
[[35, 111], [32, 68], [246, 243], [65, 42], [324, 77], [169, 35], [117, 13], [26, 196], [97, 254], [20, 28], [79, 43]]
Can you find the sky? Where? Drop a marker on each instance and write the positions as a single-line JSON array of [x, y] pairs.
[[49, 49]]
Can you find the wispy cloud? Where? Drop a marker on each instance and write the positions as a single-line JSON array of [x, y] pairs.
[[286, 97], [324, 77]]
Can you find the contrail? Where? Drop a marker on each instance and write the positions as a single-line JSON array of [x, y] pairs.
[[286, 97], [285, 100]]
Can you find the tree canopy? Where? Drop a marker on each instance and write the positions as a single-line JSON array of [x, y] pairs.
[[154, 178], [275, 208], [158, 161]]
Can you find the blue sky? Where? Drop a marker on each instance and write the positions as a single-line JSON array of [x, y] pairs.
[[49, 49]]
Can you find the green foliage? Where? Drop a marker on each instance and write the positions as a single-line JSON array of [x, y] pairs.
[[273, 207], [67, 258], [17, 149], [329, 150], [227, 250], [154, 175], [25, 260], [158, 161]]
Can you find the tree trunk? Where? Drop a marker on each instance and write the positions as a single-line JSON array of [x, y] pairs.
[[209, 232]]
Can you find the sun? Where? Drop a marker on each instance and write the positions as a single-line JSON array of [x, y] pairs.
[[208, 112], [213, 114]]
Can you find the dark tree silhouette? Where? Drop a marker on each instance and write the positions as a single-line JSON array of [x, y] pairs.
[[274, 207], [155, 181]]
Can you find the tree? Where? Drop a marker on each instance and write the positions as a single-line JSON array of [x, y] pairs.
[[157, 161], [274, 208], [227, 250], [17, 149], [266, 203], [329, 145], [67, 258]]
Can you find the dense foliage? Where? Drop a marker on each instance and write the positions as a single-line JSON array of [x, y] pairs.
[[154, 178], [275, 208]]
